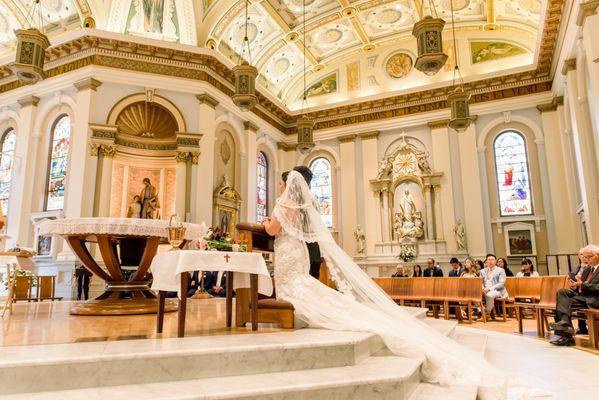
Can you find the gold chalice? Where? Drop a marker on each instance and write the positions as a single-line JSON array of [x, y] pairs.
[[176, 232]]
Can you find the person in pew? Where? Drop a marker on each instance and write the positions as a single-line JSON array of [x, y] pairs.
[[456, 268], [469, 270], [582, 324], [194, 283], [417, 271], [480, 265], [583, 293], [399, 272], [432, 270], [502, 263], [527, 269], [493, 284], [215, 283]]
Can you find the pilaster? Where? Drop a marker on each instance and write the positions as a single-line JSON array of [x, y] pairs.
[[372, 203], [249, 171], [348, 203]]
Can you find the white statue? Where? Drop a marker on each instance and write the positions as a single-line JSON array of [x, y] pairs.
[[408, 220], [460, 234], [384, 168], [407, 206], [360, 240]]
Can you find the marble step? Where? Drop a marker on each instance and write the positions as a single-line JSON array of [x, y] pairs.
[[472, 340], [80, 365], [376, 378], [427, 391], [446, 327]]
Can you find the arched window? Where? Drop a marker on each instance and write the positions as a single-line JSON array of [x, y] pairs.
[[262, 187], [513, 180], [58, 166], [322, 188], [7, 145]]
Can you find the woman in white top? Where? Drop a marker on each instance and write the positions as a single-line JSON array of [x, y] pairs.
[[528, 270], [469, 269]]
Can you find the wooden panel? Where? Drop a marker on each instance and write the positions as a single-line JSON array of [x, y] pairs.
[[45, 287]]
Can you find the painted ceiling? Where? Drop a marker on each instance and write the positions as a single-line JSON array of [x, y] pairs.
[[354, 50]]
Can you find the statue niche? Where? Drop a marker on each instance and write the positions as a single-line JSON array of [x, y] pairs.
[[407, 221]]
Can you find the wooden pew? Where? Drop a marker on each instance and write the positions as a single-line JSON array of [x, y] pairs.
[[546, 303], [511, 285], [592, 325]]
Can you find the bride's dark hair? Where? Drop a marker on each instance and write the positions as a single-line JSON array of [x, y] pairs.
[[284, 176]]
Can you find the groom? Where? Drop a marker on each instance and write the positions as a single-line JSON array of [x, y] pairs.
[[313, 249]]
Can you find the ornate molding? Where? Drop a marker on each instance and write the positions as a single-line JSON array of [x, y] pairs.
[[145, 146], [205, 98], [29, 101], [347, 138], [182, 156], [94, 149], [585, 10], [188, 141], [444, 123], [108, 150], [285, 147], [569, 65], [369, 135], [250, 126], [195, 157], [557, 101], [88, 83]]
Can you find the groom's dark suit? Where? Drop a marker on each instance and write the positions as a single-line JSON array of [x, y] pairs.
[[315, 259]]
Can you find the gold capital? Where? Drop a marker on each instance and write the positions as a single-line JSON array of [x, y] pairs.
[[250, 126], [444, 123], [87, 83], [205, 98], [369, 135], [569, 65], [585, 10], [347, 138]]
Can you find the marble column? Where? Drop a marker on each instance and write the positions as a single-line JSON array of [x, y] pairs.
[[202, 172], [584, 149], [372, 206], [561, 209], [183, 158], [26, 152], [81, 180], [249, 172], [474, 220], [106, 153], [347, 155], [441, 155]]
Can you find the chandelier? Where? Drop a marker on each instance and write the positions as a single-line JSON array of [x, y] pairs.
[[245, 75], [305, 126], [429, 38], [458, 100], [31, 50]]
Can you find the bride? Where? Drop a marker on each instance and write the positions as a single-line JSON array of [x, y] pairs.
[[360, 304]]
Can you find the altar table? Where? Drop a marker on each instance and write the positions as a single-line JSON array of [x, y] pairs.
[[171, 273], [130, 235]]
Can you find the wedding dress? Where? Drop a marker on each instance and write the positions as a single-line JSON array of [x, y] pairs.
[[361, 305]]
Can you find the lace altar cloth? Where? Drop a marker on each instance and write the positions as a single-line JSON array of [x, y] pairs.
[[117, 226], [167, 267]]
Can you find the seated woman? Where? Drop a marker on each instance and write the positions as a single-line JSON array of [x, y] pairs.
[[528, 270], [469, 270], [417, 271]]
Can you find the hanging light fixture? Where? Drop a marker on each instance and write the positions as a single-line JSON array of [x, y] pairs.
[[31, 50], [245, 75], [429, 38], [458, 100], [305, 126]]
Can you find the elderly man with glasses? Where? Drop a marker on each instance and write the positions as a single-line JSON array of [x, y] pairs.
[[583, 293]]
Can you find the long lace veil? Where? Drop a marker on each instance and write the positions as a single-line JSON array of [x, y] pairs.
[[446, 361]]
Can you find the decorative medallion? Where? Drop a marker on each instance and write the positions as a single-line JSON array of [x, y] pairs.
[[399, 65]]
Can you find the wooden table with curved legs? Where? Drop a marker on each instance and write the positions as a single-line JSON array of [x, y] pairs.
[[116, 237]]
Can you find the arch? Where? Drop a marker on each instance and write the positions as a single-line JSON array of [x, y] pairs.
[[512, 173], [410, 140], [58, 163], [304, 159], [135, 98], [62, 104], [484, 132], [227, 122], [7, 156]]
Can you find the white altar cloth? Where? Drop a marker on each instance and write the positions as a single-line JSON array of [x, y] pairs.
[[167, 268], [117, 226]]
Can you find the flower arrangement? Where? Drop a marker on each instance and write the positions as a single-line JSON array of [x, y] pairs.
[[406, 253], [20, 272], [220, 240]]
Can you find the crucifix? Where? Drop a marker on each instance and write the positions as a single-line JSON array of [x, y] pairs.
[[227, 258], [403, 138]]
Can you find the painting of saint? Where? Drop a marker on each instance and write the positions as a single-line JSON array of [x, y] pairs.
[[489, 51], [353, 76], [326, 85]]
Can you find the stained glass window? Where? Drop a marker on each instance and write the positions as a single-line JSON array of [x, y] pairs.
[[59, 159], [8, 143], [262, 187], [322, 188], [513, 181]]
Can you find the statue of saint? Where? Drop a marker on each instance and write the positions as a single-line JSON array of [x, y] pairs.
[[384, 168], [407, 206], [408, 220], [360, 240], [134, 210], [460, 234], [149, 200]]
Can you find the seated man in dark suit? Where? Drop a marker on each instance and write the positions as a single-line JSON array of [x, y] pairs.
[[456, 268], [194, 283], [432, 270], [583, 293], [215, 283]]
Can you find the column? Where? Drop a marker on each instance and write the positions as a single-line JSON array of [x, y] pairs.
[[560, 208], [183, 158], [386, 216], [474, 221], [203, 171], [348, 203], [249, 172], [588, 19], [26, 152], [81, 180], [106, 154], [584, 150], [441, 155], [372, 207]]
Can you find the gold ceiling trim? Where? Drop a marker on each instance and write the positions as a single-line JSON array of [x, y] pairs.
[[90, 50]]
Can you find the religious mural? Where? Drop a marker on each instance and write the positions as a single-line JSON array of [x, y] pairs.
[[325, 85], [399, 65], [353, 76], [513, 181], [490, 51]]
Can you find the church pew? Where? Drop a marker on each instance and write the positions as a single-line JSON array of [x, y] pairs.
[[511, 285], [592, 316], [549, 285]]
